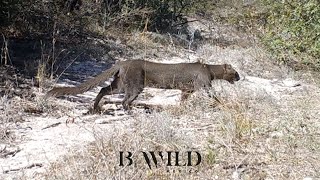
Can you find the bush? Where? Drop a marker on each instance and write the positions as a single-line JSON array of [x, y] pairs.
[[34, 18], [293, 29], [8, 11], [154, 14]]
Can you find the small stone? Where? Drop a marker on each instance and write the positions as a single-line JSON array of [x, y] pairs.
[[290, 83], [307, 178], [276, 134], [235, 175]]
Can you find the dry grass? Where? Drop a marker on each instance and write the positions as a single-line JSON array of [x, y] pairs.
[[246, 137], [11, 115], [5, 55], [101, 159], [5, 118]]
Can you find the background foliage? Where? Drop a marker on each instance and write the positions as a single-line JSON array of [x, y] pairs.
[[293, 29], [290, 29], [38, 16]]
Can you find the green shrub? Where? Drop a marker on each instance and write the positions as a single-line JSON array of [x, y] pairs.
[[293, 30]]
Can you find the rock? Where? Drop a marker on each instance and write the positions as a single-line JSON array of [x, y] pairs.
[[290, 83]]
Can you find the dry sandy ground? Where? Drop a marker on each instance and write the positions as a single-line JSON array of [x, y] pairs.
[[282, 108]]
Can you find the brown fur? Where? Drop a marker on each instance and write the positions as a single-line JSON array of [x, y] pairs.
[[130, 77]]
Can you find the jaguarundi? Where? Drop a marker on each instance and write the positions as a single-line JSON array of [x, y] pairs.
[[130, 77]]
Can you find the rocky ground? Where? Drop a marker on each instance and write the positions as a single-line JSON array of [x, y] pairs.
[[267, 126]]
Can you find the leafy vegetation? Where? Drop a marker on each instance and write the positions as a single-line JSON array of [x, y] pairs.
[[40, 17], [290, 29], [293, 29]]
